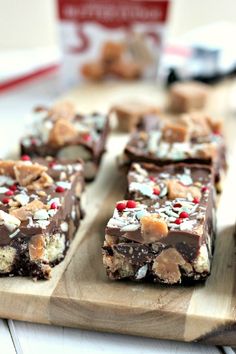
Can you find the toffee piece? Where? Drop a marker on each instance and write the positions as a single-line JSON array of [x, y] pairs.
[[188, 96]]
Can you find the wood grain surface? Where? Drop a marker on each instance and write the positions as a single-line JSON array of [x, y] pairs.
[[80, 295]]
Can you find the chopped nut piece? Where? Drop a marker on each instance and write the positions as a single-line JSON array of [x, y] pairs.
[[118, 264], [27, 173], [178, 190], [216, 125], [10, 221], [197, 124], [7, 168], [36, 247], [41, 193], [28, 210], [175, 132], [166, 266], [7, 258], [153, 228], [65, 110], [62, 132], [44, 181], [111, 240], [208, 151]]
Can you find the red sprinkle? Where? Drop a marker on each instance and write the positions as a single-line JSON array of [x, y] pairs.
[[204, 189], [131, 204], [121, 206], [183, 215], [177, 205], [156, 191], [178, 221], [52, 163], [13, 188], [60, 189], [196, 200], [216, 132], [152, 178], [53, 205], [9, 193], [25, 158], [6, 200], [87, 137]]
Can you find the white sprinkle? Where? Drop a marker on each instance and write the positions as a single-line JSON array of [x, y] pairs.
[[63, 176], [10, 221], [6, 180], [14, 233], [141, 272], [41, 214], [131, 227], [52, 212], [54, 200], [23, 199], [64, 184], [64, 226], [3, 190], [42, 223]]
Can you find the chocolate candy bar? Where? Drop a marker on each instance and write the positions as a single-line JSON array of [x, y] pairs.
[[188, 96], [63, 134], [166, 234], [129, 114], [39, 214], [191, 138]]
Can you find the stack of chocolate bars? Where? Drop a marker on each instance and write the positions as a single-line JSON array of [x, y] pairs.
[[164, 229], [40, 194]]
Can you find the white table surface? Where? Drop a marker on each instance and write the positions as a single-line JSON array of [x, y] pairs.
[[28, 338]]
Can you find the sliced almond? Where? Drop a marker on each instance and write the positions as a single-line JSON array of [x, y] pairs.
[[153, 228]]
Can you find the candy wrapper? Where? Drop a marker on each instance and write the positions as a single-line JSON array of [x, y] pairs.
[[110, 39]]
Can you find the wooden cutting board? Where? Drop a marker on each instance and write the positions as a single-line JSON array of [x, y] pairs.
[[80, 295]]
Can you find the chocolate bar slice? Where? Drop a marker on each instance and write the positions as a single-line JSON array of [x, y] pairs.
[[191, 138], [166, 233], [63, 134], [39, 214], [130, 113], [187, 96]]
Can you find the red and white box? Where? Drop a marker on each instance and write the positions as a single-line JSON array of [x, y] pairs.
[[103, 39]]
